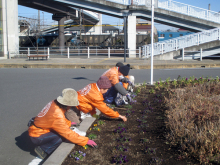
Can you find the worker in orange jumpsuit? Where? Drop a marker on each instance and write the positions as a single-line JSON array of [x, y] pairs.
[[50, 126], [91, 97], [127, 81], [113, 75]]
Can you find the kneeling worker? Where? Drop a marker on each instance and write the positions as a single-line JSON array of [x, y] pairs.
[[91, 97], [113, 75], [50, 126]]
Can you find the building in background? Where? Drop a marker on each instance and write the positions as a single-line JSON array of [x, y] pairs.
[[24, 27], [107, 28]]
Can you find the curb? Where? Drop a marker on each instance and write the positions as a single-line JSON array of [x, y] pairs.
[[60, 154], [92, 66]]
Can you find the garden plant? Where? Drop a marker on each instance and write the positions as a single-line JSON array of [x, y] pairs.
[[173, 122]]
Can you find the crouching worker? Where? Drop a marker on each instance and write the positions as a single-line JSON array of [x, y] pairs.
[[128, 81], [50, 127], [91, 97], [113, 75]]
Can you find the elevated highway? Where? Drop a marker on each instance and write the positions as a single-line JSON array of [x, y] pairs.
[[162, 15]]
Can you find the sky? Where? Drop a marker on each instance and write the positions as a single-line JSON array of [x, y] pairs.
[[47, 17]]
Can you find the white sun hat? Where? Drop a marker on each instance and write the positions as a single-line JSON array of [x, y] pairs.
[[69, 97]]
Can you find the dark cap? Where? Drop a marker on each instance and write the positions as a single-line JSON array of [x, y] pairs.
[[119, 64], [124, 70]]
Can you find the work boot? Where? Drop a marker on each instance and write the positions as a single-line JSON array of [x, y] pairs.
[[40, 152]]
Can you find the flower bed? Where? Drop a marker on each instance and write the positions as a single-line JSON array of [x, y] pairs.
[[151, 134]]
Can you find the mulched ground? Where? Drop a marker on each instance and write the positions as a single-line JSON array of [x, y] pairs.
[[145, 133]]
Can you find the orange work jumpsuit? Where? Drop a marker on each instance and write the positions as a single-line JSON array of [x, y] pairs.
[[91, 98], [113, 75], [52, 118]]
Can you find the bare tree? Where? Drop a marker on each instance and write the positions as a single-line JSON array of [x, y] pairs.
[[34, 29]]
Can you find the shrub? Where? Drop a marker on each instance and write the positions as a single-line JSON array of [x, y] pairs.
[[194, 119]]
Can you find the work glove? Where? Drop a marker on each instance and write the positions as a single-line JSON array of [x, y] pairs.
[[129, 97], [73, 123], [124, 79], [92, 143], [131, 84]]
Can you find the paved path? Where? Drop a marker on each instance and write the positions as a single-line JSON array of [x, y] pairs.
[[105, 63]]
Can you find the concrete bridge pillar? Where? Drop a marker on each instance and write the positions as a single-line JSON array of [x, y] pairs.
[[61, 19], [61, 32], [10, 40], [132, 36]]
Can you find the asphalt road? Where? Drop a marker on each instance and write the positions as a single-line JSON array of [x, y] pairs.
[[24, 92]]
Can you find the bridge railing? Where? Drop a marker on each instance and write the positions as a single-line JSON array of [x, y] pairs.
[[128, 2], [189, 10], [181, 42], [177, 7]]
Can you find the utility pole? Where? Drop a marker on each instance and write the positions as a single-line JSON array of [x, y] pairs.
[[38, 19], [125, 15], [38, 29], [80, 24], [43, 19], [125, 37]]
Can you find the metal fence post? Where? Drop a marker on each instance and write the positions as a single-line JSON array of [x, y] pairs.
[[68, 52], [200, 54], [176, 45], [88, 52], [139, 52], [48, 52], [28, 51], [145, 51], [108, 52], [183, 54]]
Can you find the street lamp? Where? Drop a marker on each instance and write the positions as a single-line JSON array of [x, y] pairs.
[[43, 19], [125, 15]]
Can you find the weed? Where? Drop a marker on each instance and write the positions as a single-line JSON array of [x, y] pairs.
[[151, 91], [100, 122], [92, 136]]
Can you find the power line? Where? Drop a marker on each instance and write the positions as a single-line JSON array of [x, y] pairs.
[[27, 18]]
